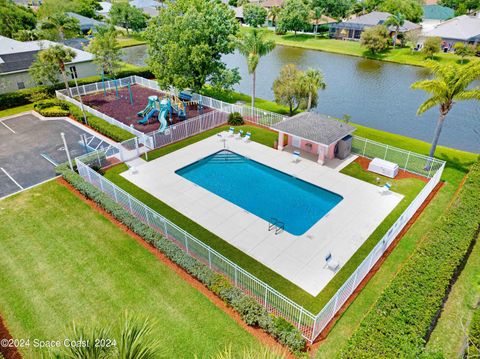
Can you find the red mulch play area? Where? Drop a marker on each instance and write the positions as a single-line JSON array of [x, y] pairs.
[[120, 109]]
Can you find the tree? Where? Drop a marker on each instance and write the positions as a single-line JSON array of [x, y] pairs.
[[431, 46], [106, 50], [397, 20], [27, 35], [254, 15], [187, 41], [312, 81], [463, 50], [412, 37], [14, 18], [411, 9], [86, 8], [317, 16], [253, 46], [288, 89], [52, 61], [338, 9], [294, 16], [461, 7], [450, 85], [375, 39], [125, 15], [61, 26], [273, 14]]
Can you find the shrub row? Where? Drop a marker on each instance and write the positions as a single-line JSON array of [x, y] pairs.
[[58, 108], [473, 349], [249, 309], [406, 312], [30, 95]]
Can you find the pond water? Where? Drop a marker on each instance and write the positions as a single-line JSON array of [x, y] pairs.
[[374, 93]]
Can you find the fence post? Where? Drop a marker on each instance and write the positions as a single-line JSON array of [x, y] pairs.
[[209, 259], [386, 151], [265, 300], [186, 241], [165, 226], [136, 146], [364, 146], [406, 162], [300, 319], [235, 275], [130, 203]]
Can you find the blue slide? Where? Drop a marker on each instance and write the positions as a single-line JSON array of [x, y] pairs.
[[147, 117], [163, 120]]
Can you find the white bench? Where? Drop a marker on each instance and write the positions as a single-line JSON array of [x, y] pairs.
[[385, 168]]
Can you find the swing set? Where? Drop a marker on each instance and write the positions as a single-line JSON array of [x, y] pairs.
[[115, 82]]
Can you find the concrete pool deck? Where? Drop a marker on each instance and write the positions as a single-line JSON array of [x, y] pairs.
[[300, 259]]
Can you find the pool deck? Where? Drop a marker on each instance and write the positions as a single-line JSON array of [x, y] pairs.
[[300, 259]]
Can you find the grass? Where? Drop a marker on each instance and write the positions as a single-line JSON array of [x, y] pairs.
[[130, 40], [448, 337], [62, 262], [16, 110], [353, 48]]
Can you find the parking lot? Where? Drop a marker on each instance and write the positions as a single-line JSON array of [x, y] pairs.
[[30, 148]]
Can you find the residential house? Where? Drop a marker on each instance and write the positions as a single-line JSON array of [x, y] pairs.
[[465, 29], [16, 57], [352, 29], [433, 15], [87, 25]]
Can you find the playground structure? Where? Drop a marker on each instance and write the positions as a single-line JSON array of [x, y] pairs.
[[117, 94]]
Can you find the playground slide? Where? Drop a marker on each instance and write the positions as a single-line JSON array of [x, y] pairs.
[[163, 120], [146, 110], [147, 117]]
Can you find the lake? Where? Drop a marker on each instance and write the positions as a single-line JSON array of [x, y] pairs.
[[374, 93]]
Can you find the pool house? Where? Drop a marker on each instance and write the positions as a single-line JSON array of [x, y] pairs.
[[315, 135]]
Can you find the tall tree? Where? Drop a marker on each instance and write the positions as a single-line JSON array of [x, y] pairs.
[[294, 16], [288, 89], [61, 26], [375, 39], [128, 16], [253, 46], [14, 18], [312, 81], [317, 14], [397, 20], [254, 15], [431, 46], [187, 41], [106, 50], [52, 60], [411, 9], [273, 13], [338, 9], [464, 50], [451, 84]]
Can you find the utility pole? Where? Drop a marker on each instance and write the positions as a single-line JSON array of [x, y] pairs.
[[66, 150]]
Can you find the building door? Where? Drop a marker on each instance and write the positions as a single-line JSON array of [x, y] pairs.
[[296, 142]]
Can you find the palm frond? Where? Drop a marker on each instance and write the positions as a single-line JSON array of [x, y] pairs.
[[427, 105], [466, 95]]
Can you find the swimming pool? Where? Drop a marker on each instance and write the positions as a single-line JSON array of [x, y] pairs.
[[261, 190]]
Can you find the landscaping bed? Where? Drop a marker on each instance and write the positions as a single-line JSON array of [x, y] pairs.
[[403, 317], [122, 110]]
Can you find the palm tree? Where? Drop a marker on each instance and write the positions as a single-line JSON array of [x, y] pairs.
[[59, 55], [273, 14], [253, 46], [317, 16], [397, 20], [106, 49], [450, 84], [63, 25], [312, 81]]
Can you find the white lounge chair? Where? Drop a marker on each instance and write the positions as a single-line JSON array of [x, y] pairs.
[[385, 188], [296, 156], [247, 137], [231, 131], [239, 134], [332, 264]]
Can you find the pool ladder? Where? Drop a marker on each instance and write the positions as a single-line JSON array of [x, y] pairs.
[[276, 225]]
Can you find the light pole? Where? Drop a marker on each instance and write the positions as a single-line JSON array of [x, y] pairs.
[[66, 150]]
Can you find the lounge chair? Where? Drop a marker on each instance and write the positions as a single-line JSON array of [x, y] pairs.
[[332, 264], [296, 156], [247, 137], [239, 134], [385, 188], [231, 131]]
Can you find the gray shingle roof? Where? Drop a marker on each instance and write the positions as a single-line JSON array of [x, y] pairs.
[[463, 28], [373, 19], [18, 61], [315, 127]]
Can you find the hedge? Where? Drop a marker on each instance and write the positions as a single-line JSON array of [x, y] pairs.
[[26, 96], [250, 310], [406, 312], [58, 108], [473, 349]]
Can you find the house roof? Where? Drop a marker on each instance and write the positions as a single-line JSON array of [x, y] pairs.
[[314, 127], [18, 56], [86, 23], [144, 3], [272, 3], [106, 6], [437, 12], [463, 28], [372, 19]]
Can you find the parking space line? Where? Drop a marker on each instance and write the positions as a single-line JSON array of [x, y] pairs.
[[13, 180], [7, 127]]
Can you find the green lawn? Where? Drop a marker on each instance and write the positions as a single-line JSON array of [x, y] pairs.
[[61, 262], [353, 48], [15, 110], [131, 40], [448, 336]]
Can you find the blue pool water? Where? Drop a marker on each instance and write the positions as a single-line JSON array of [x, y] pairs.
[[262, 190]]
